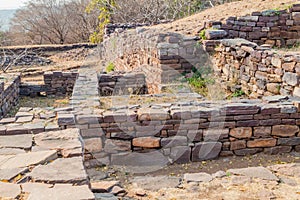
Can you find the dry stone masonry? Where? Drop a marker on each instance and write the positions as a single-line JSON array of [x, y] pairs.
[[187, 132], [260, 71], [9, 92], [273, 27]]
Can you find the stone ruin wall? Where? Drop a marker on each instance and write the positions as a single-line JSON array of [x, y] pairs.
[[259, 71], [115, 83], [162, 57], [188, 132], [9, 93]]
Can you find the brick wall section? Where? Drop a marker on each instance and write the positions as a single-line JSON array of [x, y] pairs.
[[9, 93], [185, 132], [280, 28], [59, 83], [160, 56], [122, 84], [260, 71]]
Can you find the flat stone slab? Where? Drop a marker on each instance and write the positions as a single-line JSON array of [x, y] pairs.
[[62, 170], [11, 151], [197, 177], [103, 186], [255, 172], [9, 191], [16, 141], [65, 141], [292, 170], [27, 159], [38, 191], [155, 183], [9, 174], [24, 119]]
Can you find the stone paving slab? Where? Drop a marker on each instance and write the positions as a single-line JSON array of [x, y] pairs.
[[9, 174], [16, 141], [9, 191], [65, 141], [38, 191], [62, 170], [28, 159], [11, 151]]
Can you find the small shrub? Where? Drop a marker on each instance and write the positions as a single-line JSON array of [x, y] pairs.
[[110, 67], [238, 93], [202, 35]]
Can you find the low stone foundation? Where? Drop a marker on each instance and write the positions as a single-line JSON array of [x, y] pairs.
[[187, 132]]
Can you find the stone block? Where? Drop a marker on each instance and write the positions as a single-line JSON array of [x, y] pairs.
[[239, 144], [206, 151], [262, 131], [115, 146], [289, 141], [277, 150], [291, 78], [215, 134], [245, 152], [146, 142], [65, 119], [241, 132], [285, 130], [180, 154], [265, 142], [174, 141]]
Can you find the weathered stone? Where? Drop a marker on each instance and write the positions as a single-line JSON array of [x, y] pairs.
[[215, 134], [115, 146], [67, 142], [65, 119], [291, 78], [9, 174], [62, 170], [244, 152], [103, 186], [215, 34], [11, 151], [241, 132], [9, 191], [105, 196], [16, 141], [93, 145], [8, 120], [247, 123], [146, 142], [273, 88], [285, 130], [39, 191], [296, 92], [239, 144], [152, 114], [277, 150], [276, 62], [24, 119], [16, 130], [255, 172], [290, 67], [266, 142], [197, 177], [263, 131], [206, 150], [289, 141], [180, 154], [174, 141], [28, 159]]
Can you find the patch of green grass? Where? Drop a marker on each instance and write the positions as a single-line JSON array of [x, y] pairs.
[[110, 67], [200, 80], [202, 34], [238, 93]]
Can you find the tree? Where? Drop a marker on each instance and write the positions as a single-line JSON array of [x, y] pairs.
[[54, 21]]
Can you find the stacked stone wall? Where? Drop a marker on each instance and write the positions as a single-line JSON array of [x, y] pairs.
[[9, 93], [122, 84], [189, 132], [162, 57], [59, 83], [258, 70]]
